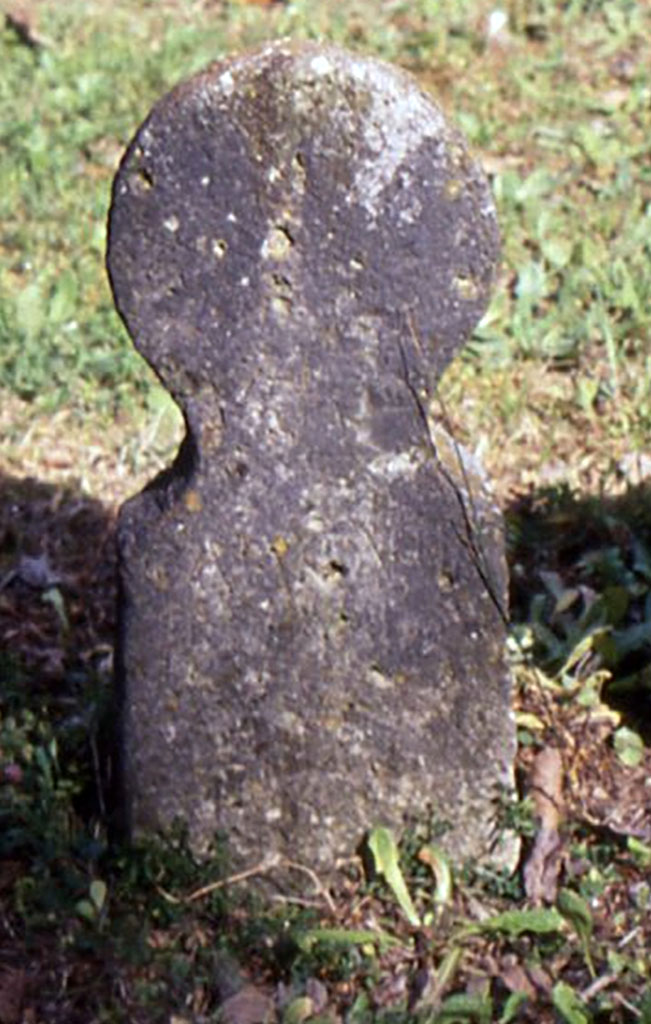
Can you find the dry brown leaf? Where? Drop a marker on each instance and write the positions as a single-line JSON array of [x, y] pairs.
[[543, 865], [547, 787], [516, 978], [250, 1005], [540, 978]]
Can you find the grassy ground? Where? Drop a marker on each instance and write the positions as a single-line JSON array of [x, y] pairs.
[[553, 390]]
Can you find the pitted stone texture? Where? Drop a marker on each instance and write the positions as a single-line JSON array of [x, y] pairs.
[[310, 637]]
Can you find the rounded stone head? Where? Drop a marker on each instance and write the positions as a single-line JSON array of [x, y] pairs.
[[298, 191]]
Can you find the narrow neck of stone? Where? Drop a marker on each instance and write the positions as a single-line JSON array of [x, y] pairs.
[[290, 420]]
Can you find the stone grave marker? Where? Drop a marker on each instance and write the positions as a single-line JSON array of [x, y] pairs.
[[311, 638]]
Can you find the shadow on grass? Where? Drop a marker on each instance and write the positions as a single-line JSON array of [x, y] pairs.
[[54, 538], [580, 574], [57, 607], [579, 567], [74, 906]]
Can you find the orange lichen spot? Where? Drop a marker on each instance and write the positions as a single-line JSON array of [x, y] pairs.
[[192, 501]]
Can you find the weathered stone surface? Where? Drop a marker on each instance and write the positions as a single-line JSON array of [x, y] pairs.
[[310, 636]]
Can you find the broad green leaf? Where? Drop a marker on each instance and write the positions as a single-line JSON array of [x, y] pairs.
[[640, 851], [360, 1010], [531, 286], [625, 293], [616, 600], [463, 1008], [629, 747], [29, 311], [384, 848], [54, 597], [98, 892], [299, 1010], [85, 909], [445, 974], [37, 140], [44, 764], [512, 1007], [89, 83], [539, 183], [558, 251], [577, 912], [594, 145], [440, 867], [569, 1004], [584, 645], [527, 720], [343, 937], [64, 298], [540, 921]]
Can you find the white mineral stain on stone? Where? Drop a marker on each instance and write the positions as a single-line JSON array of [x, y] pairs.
[[207, 809], [226, 83], [172, 224], [390, 114], [397, 121], [255, 683], [276, 245], [273, 423], [466, 288], [314, 523], [323, 585], [280, 307], [411, 213], [282, 472], [291, 722], [321, 65], [397, 464], [378, 679]]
